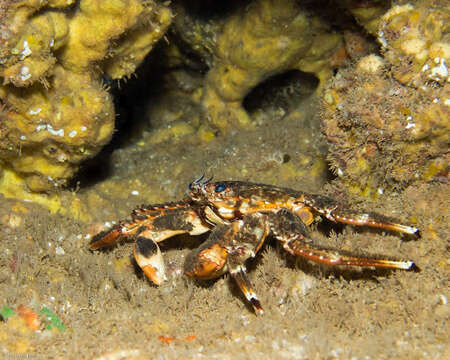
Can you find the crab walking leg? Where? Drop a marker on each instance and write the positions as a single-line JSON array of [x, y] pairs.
[[328, 208], [372, 220], [249, 237], [291, 231], [239, 274], [108, 237], [297, 246], [227, 249]]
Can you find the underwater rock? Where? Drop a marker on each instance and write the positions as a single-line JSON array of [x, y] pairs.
[[55, 111], [252, 43], [383, 134]]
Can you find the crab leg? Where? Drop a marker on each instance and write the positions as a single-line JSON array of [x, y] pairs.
[[239, 274], [161, 220], [292, 232], [151, 225], [328, 208], [296, 246], [123, 229], [227, 249]]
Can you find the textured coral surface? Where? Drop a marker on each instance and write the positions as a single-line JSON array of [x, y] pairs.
[[55, 110], [415, 40], [387, 118], [384, 134], [254, 43]]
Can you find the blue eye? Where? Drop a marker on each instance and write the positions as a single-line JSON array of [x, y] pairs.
[[190, 186], [220, 188]]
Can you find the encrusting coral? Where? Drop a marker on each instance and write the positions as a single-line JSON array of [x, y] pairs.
[[387, 118], [55, 110], [415, 40], [253, 43]]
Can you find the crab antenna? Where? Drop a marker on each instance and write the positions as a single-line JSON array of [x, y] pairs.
[[207, 181], [196, 181]]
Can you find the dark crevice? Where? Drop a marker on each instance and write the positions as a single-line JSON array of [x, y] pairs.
[[284, 90], [130, 98]]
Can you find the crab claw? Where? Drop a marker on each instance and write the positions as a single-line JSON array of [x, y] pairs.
[[207, 263], [149, 258]]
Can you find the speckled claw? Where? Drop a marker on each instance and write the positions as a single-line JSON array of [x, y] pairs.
[[149, 258]]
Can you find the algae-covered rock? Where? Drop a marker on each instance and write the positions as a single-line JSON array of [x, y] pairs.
[[118, 32], [387, 118], [55, 110], [415, 39], [252, 43], [46, 134]]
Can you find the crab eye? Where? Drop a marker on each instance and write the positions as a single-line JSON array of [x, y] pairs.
[[220, 188], [190, 186]]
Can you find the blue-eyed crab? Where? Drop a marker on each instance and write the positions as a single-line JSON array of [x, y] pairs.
[[240, 216]]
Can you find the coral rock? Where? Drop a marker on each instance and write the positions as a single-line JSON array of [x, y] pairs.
[[55, 110]]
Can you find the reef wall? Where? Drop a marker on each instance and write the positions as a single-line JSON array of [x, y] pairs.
[[382, 69]]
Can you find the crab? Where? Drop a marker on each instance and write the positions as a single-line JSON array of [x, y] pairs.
[[240, 217]]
